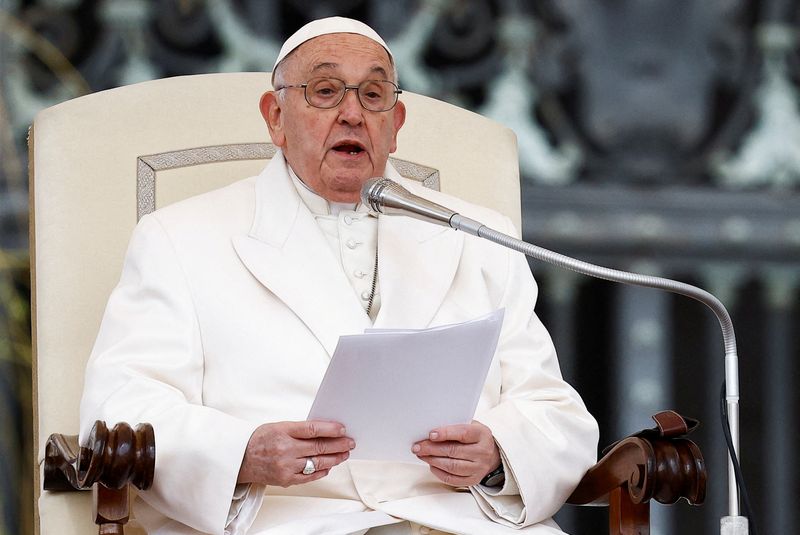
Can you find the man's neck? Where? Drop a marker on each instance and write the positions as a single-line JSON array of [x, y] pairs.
[[316, 202]]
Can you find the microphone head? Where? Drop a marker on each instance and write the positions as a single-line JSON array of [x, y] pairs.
[[371, 192], [385, 196]]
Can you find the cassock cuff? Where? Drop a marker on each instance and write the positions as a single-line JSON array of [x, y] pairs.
[[245, 505], [510, 487], [502, 504]]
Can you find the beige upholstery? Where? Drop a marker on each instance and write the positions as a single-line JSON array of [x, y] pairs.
[[86, 156]]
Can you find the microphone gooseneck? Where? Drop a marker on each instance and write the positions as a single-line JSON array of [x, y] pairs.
[[385, 196]]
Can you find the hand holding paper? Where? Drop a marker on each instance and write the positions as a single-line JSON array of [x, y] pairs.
[[391, 388], [460, 455]]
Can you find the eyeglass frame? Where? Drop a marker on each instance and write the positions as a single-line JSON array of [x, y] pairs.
[[304, 86]]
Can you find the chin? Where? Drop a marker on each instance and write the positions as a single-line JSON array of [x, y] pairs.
[[351, 184], [349, 192]]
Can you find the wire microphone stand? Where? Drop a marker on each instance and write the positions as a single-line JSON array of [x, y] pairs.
[[734, 523], [387, 197]]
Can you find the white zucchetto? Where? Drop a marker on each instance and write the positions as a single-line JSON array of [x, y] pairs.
[[326, 26]]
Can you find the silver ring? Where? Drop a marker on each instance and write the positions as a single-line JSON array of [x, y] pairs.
[[310, 468]]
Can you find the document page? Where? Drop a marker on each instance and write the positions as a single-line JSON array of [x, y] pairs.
[[390, 388]]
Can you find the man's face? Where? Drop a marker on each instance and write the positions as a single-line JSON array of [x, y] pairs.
[[334, 151]]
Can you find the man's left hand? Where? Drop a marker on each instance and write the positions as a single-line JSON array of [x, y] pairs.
[[460, 455]]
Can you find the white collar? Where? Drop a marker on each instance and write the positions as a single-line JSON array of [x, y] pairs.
[[317, 204]]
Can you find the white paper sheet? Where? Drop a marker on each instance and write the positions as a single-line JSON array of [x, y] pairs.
[[390, 388]]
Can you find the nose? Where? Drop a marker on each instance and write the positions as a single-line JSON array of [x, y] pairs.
[[350, 110]]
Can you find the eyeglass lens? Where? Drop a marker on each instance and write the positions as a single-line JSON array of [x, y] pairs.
[[375, 95]]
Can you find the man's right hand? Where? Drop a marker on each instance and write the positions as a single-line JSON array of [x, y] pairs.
[[276, 453]]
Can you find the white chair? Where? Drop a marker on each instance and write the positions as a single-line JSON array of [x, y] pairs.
[[100, 162]]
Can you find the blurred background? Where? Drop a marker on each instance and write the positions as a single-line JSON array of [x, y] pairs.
[[661, 136]]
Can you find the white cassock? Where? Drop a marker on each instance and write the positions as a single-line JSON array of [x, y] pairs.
[[229, 307]]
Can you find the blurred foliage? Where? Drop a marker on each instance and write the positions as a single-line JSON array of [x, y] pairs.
[[16, 452]]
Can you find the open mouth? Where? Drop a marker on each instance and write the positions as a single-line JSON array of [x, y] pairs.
[[349, 147]]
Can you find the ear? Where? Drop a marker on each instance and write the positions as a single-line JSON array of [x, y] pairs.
[[272, 113], [399, 118]]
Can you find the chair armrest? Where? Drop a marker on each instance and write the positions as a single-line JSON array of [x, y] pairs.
[[112, 458], [655, 464], [666, 469], [108, 464]]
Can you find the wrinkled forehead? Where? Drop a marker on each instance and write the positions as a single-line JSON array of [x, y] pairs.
[[337, 51]]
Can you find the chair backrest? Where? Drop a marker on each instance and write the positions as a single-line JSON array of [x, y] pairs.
[[101, 161]]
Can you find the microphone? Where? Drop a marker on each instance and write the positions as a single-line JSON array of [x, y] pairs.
[[385, 196]]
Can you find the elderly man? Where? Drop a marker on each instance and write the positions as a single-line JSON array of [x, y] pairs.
[[230, 305]]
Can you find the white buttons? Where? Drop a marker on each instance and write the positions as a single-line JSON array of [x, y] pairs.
[[365, 295], [352, 244], [359, 274], [348, 220]]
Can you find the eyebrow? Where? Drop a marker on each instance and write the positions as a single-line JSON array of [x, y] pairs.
[[332, 66]]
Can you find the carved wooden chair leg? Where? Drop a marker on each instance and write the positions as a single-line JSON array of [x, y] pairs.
[[110, 509], [109, 463], [626, 517]]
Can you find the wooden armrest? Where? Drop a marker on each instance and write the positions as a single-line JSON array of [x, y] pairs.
[[108, 464], [664, 469], [652, 464]]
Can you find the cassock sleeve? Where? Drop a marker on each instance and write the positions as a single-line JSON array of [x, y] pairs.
[[546, 436], [147, 366]]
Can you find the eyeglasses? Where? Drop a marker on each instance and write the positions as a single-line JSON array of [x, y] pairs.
[[326, 93]]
